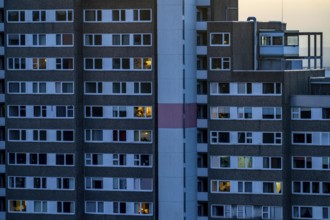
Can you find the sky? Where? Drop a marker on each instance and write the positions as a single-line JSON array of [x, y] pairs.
[[302, 15]]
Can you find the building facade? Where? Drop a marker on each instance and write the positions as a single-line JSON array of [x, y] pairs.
[[169, 110]]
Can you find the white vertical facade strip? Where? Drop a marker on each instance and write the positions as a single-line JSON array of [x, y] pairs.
[[177, 85]]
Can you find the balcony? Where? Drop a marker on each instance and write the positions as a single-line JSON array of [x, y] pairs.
[[201, 50], [201, 147], [202, 196], [201, 123], [202, 172], [279, 51], [203, 3], [201, 99], [201, 25], [2, 193], [279, 44]]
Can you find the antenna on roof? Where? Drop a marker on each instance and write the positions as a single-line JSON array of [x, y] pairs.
[[282, 9]]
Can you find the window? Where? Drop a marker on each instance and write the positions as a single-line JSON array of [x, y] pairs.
[[301, 113], [94, 207], [17, 135], [272, 187], [93, 15], [142, 39], [17, 205], [94, 183], [119, 88], [15, 16], [65, 183], [220, 186], [39, 135], [306, 187], [16, 87], [39, 87], [221, 211], [142, 160], [142, 208], [244, 88], [142, 136], [65, 207], [93, 159], [39, 63], [119, 183], [93, 64], [64, 15], [143, 112], [38, 16], [17, 111], [272, 163], [302, 212], [118, 15], [93, 87], [244, 112], [94, 111], [220, 39], [220, 88], [245, 187], [220, 112], [302, 138], [39, 40], [64, 111], [119, 159], [119, 207], [142, 88], [64, 63], [64, 135], [272, 138], [326, 163], [38, 159], [302, 162], [64, 87], [220, 137], [40, 183], [325, 113], [142, 63], [16, 40], [40, 111], [16, 63], [93, 135], [64, 160], [119, 135], [244, 162], [271, 113], [119, 112], [272, 212], [40, 207], [244, 211], [220, 63], [93, 39], [17, 158], [142, 15], [17, 182], [64, 39], [266, 40], [143, 184], [244, 137], [272, 88]]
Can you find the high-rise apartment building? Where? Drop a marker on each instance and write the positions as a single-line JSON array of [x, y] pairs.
[[159, 109]]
